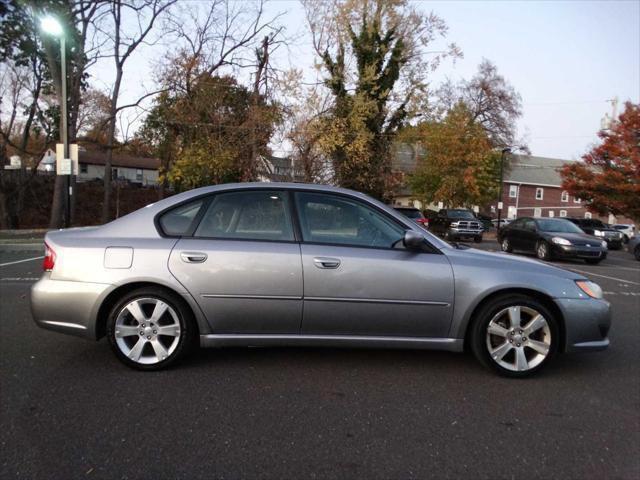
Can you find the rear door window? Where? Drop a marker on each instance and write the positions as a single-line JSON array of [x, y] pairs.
[[180, 220]]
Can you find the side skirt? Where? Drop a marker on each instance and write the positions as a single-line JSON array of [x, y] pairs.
[[349, 341]]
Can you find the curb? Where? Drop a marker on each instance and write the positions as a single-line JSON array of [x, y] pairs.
[[22, 247]]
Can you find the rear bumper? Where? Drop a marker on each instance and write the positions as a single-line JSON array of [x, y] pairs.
[[67, 307], [587, 324]]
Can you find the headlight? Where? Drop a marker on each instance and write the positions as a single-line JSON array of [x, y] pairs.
[[590, 288], [454, 224], [598, 233], [560, 241], [604, 244]]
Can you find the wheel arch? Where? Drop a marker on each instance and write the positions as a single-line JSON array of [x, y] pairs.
[[542, 297], [114, 296]]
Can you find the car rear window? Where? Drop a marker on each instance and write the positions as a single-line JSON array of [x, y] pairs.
[[178, 221], [410, 212]]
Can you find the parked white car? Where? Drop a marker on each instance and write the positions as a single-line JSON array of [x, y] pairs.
[[627, 229]]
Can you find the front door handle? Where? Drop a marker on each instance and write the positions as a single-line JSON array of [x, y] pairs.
[[193, 257], [326, 262]]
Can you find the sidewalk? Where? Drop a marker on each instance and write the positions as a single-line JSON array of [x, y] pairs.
[[22, 240]]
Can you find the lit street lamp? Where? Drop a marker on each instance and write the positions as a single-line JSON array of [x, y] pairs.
[[52, 26]]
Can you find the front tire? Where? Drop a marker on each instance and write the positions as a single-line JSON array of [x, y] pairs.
[[506, 245], [151, 328], [478, 239], [543, 251], [515, 335], [636, 253]]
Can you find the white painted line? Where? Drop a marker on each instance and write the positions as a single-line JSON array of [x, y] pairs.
[[603, 276], [21, 261]]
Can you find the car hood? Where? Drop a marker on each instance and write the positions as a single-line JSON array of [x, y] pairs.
[[505, 261]]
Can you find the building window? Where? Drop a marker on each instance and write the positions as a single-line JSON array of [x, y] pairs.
[[139, 175], [563, 213], [565, 196], [537, 212], [576, 200], [552, 214], [84, 168], [513, 191], [587, 214], [539, 193]]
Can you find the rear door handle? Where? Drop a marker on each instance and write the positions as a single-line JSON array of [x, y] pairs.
[[326, 262], [193, 257]]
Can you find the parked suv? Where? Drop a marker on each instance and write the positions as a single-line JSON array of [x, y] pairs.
[[415, 215], [628, 230], [597, 228], [457, 224]]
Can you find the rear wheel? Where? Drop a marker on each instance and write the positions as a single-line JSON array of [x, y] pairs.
[[543, 251], [150, 328], [515, 335]]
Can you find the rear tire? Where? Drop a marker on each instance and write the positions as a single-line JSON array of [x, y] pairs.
[[506, 245], [533, 344], [151, 328]]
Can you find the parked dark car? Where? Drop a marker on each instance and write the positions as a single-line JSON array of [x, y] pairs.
[[414, 214], [593, 226], [551, 238], [457, 224], [634, 247]]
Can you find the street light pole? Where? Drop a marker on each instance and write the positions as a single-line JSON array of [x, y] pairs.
[[504, 152], [52, 26], [65, 127]]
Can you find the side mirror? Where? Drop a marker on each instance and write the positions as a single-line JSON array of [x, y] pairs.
[[413, 240]]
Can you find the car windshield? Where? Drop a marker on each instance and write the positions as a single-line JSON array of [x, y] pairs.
[[466, 214], [410, 212], [560, 226]]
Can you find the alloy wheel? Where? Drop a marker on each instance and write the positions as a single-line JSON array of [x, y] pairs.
[[147, 330], [543, 251], [505, 245], [518, 338]]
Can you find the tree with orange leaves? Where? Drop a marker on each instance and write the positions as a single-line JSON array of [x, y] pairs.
[[609, 178]]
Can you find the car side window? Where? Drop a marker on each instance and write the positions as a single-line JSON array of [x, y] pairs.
[[249, 215], [333, 219], [179, 221], [530, 225]]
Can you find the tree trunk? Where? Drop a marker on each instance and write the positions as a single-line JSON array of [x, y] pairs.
[[106, 210]]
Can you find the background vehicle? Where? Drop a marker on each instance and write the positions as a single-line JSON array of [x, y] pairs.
[[293, 264], [595, 227], [503, 222], [415, 215], [551, 237], [628, 230], [633, 247], [457, 224]]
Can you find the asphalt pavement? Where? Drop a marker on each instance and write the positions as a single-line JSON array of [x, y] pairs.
[[69, 409]]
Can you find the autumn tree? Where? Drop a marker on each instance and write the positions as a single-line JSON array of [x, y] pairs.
[[608, 179], [456, 163], [376, 58]]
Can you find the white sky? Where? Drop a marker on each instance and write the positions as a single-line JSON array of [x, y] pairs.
[[565, 58]]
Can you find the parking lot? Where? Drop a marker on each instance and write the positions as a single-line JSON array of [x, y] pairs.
[[68, 406]]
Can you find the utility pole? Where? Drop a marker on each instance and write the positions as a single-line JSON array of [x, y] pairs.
[[504, 153]]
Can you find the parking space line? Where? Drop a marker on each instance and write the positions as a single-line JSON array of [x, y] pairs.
[[603, 276], [21, 261]]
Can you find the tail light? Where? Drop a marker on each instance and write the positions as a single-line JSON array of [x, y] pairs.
[[49, 258], [423, 221]]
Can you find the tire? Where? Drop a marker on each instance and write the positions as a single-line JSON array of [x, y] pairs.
[[133, 317], [593, 261], [505, 245], [543, 251], [636, 252], [545, 336], [625, 239], [477, 239]]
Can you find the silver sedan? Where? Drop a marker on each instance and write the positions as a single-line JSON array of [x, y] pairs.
[[293, 264]]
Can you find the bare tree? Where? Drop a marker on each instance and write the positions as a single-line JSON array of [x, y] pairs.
[[124, 43]]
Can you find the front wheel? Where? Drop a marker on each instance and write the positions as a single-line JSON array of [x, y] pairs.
[[150, 328], [543, 251], [477, 239], [515, 335], [636, 253], [506, 245]]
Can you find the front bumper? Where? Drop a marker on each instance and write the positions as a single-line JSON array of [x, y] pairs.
[[67, 307], [587, 323], [464, 233], [573, 251]]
